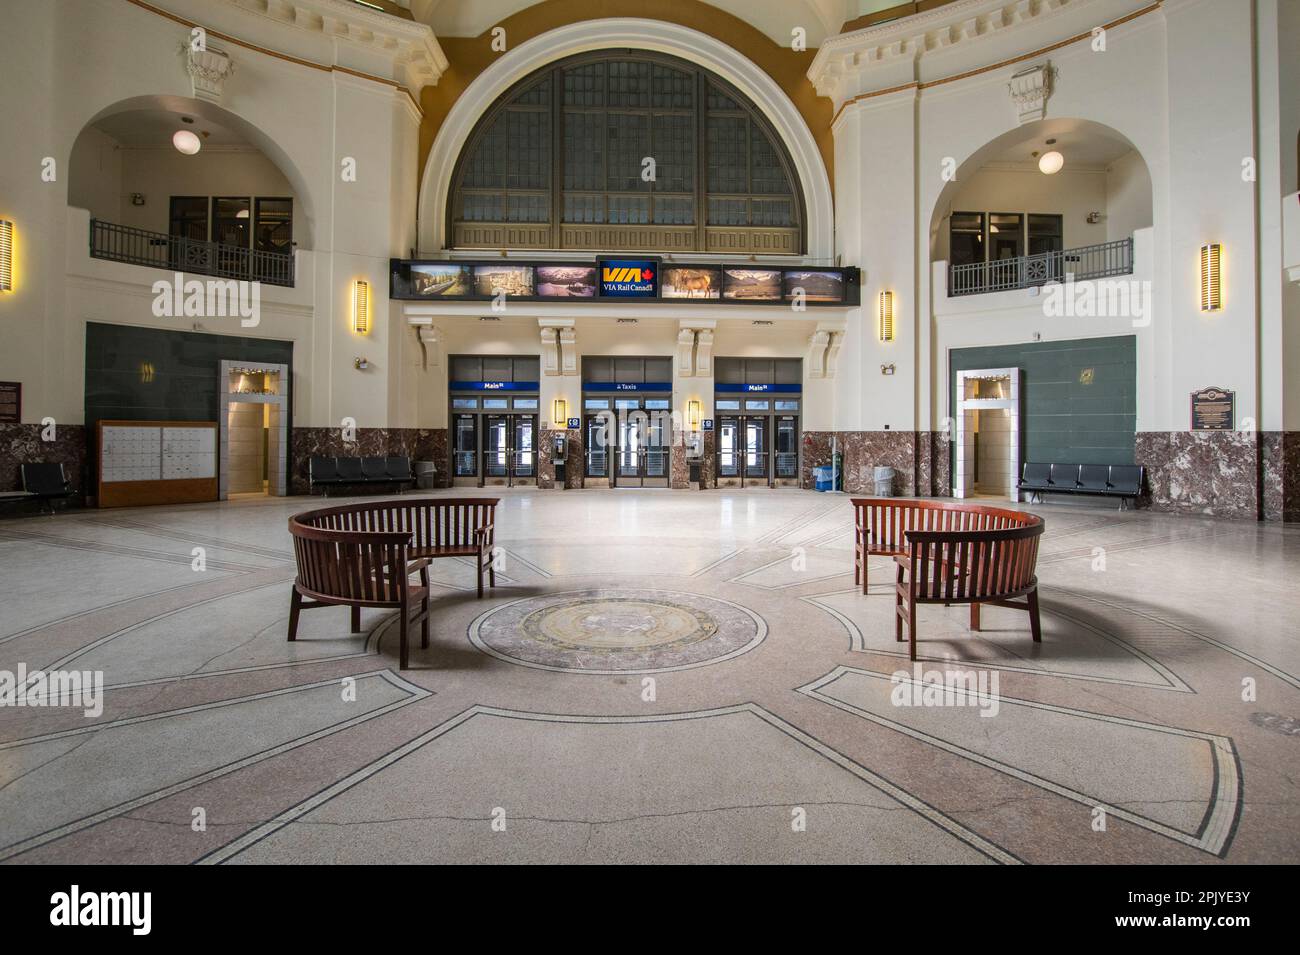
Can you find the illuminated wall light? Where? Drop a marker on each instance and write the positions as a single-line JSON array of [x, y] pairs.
[[1050, 163], [1211, 277], [361, 306], [560, 413], [886, 316], [6, 256], [693, 414]]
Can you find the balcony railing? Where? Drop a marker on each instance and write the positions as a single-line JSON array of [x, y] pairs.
[[122, 243], [1088, 262]]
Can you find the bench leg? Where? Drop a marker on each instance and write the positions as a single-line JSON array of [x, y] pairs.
[[480, 574], [295, 608], [356, 619], [911, 628], [865, 557], [424, 608], [403, 626], [975, 617], [1034, 625], [492, 570]]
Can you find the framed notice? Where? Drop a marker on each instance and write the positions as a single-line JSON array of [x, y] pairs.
[[11, 402], [1213, 409]]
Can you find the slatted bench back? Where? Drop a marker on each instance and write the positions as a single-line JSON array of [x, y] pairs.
[[347, 565], [430, 523], [965, 566], [884, 522]]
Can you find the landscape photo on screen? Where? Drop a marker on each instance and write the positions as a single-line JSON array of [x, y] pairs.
[[689, 282], [817, 286], [515, 280], [566, 281], [752, 285], [428, 281]]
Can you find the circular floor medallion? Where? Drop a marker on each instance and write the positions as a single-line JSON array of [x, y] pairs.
[[618, 631]]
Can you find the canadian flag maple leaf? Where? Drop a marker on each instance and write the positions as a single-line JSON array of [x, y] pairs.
[[647, 275]]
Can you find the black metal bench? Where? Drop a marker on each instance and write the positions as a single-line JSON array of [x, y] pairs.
[[328, 472], [42, 482], [1124, 481]]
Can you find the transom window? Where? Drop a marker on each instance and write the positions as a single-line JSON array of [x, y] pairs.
[[617, 150]]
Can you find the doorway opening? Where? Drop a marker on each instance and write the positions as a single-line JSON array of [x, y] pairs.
[[987, 440]]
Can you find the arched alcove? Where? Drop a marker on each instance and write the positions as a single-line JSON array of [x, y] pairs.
[[236, 158]]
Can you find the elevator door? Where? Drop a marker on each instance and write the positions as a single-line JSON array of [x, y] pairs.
[[509, 450]]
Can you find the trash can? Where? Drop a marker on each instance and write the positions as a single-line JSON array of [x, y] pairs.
[[824, 476], [884, 478], [425, 475]]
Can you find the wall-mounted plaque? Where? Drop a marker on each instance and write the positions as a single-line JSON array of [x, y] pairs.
[[1213, 409], [11, 402]]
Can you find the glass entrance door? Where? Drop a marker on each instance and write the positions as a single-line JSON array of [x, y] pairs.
[[630, 452], [756, 451], [464, 452], [785, 452], [523, 459], [729, 452], [656, 466], [510, 449], [596, 432], [496, 449]]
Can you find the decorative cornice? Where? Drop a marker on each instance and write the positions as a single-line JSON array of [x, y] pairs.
[[413, 49], [848, 56], [844, 101]]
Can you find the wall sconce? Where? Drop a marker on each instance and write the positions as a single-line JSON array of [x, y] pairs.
[[1211, 277], [560, 413], [6, 256], [361, 306], [887, 369], [693, 409], [360, 364], [886, 316]]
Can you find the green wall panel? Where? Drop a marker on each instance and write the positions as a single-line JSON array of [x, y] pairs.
[[1065, 419], [143, 374]]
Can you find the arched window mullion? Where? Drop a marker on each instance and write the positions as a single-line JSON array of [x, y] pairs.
[[611, 208]]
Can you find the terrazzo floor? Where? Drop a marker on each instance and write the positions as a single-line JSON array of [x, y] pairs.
[[659, 676]]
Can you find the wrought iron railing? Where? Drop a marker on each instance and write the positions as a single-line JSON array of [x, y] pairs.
[[1088, 262], [123, 243]]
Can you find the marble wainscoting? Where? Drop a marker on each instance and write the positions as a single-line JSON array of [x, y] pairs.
[[23, 444], [680, 476], [1279, 453], [933, 468], [709, 466], [575, 472], [862, 451], [1215, 473], [418, 444]]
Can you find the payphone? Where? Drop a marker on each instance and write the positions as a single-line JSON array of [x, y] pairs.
[[559, 452], [695, 455]]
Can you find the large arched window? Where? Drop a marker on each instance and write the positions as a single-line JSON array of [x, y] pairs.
[[560, 162]]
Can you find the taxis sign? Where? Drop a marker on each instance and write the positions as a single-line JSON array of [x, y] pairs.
[[629, 278]]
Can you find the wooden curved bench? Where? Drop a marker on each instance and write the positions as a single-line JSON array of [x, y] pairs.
[[363, 555], [949, 553]]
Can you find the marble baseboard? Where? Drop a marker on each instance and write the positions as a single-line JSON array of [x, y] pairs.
[[418, 444], [23, 444]]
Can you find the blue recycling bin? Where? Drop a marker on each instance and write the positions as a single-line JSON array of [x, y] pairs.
[[824, 476]]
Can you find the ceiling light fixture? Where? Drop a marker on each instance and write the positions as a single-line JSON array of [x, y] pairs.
[[186, 142], [1050, 163]]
